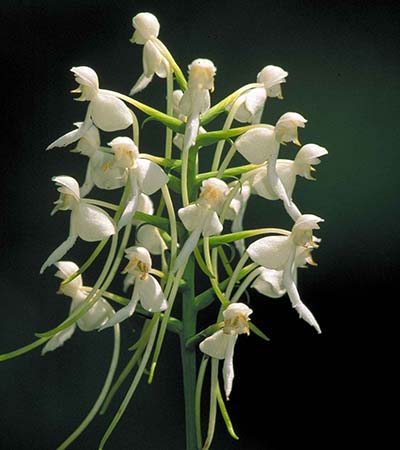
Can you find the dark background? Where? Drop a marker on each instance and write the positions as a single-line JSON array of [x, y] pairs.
[[301, 390]]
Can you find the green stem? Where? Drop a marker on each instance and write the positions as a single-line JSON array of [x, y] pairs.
[[92, 413], [188, 356], [228, 173], [168, 135], [140, 347], [134, 384], [199, 390], [213, 403], [228, 122], [180, 78], [24, 349]]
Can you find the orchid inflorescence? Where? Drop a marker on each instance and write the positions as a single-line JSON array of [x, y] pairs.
[[187, 231]]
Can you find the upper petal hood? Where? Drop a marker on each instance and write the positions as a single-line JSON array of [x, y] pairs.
[[67, 185], [146, 26], [306, 157]]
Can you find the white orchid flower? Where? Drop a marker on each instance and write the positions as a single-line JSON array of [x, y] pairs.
[[147, 27], [87, 221], [93, 319], [146, 288], [279, 253], [104, 111], [201, 217], [287, 171], [221, 344], [261, 144], [270, 281], [143, 175], [96, 175], [252, 103], [196, 99]]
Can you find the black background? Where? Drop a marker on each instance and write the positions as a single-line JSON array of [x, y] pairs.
[[301, 390]]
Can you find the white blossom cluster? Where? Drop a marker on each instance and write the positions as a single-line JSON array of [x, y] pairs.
[[188, 225]]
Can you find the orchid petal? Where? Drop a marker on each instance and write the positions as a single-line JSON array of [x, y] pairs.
[[191, 216], [97, 316], [58, 339], [146, 25], [150, 176], [151, 295], [149, 237], [92, 223], [123, 313], [257, 145], [270, 283], [187, 249], [152, 58], [215, 345], [306, 157], [131, 205], [212, 225], [59, 252], [271, 252], [142, 82], [228, 371], [110, 113]]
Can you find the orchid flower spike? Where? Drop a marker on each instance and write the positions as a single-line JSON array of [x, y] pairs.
[[104, 111], [201, 217], [143, 175], [97, 315], [287, 171], [252, 103], [221, 344], [279, 253], [87, 221], [196, 99], [146, 288], [261, 144], [147, 29]]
